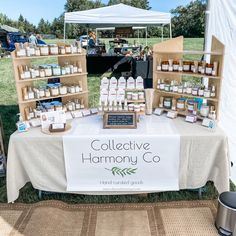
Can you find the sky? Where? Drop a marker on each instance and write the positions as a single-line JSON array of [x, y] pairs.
[[34, 10]]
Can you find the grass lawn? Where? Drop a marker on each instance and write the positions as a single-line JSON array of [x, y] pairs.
[[9, 109]]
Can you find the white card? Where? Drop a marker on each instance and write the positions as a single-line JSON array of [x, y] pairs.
[[48, 118], [190, 119], [172, 114], [86, 113], [77, 114], [158, 111], [94, 110], [35, 122]]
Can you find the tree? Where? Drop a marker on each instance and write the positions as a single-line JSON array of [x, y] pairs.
[[44, 27], [189, 20], [144, 4]]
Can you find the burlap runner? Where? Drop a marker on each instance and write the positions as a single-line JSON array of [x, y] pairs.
[[152, 219]]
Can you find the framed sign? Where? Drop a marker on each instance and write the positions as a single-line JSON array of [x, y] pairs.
[[119, 120], [123, 31]]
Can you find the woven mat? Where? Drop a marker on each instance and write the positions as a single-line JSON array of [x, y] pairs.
[[57, 218]]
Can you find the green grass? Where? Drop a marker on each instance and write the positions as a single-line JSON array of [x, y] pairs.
[[9, 109]]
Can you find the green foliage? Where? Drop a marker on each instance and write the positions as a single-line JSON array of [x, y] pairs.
[[189, 20], [44, 27], [122, 172]]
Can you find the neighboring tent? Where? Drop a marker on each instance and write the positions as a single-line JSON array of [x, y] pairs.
[[8, 29], [118, 15], [222, 24]]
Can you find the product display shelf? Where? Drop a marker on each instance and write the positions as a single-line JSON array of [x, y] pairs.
[[185, 95], [140, 113], [136, 101], [173, 49], [134, 90], [186, 74], [49, 98], [79, 78], [51, 77]]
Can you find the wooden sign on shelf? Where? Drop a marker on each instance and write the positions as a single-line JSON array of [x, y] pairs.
[[119, 120]]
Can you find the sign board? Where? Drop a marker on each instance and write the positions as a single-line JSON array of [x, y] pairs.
[[119, 120], [123, 31]]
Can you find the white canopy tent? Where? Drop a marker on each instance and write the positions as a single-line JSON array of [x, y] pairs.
[[118, 15], [222, 24]]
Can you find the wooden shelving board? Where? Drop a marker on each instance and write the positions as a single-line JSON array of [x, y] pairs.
[[48, 98], [190, 52], [51, 77], [49, 56], [136, 101], [186, 74], [185, 95]]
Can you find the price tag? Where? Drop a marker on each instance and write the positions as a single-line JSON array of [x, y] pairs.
[[158, 111], [77, 114], [172, 114], [86, 113], [190, 119], [94, 110]]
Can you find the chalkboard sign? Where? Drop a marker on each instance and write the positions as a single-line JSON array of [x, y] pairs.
[[119, 120]]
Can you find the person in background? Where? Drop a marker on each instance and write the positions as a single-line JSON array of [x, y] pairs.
[[33, 39], [92, 43]]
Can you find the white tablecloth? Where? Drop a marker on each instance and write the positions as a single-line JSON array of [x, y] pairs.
[[38, 158]]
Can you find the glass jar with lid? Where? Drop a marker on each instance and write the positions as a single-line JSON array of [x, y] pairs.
[[68, 48], [53, 49], [167, 102], [165, 66], [44, 50], [48, 71], [180, 104], [56, 70], [54, 91], [186, 66], [62, 50]]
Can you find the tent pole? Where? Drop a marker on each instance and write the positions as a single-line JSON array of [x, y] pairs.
[[146, 35], [64, 31], [87, 41], [162, 32], [170, 30], [96, 36], [138, 36]]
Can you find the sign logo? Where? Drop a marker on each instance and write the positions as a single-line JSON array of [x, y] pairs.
[[122, 172]]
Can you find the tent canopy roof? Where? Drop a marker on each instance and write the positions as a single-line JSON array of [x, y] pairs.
[[118, 15], [8, 28]]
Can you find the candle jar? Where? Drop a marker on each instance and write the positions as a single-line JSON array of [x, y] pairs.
[[75, 68], [175, 66], [134, 96], [162, 86], [54, 91], [62, 50], [41, 92], [131, 107], [209, 69], [207, 93], [204, 111], [67, 68], [137, 108], [53, 49], [165, 66], [167, 88], [42, 73], [47, 93], [167, 102], [63, 71], [175, 88], [191, 106], [129, 96], [180, 89], [69, 106], [44, 50], [141, 95], [201, 92], [72, 89], [37, 52], [142, 107], [63, 90], [189, 90], [48, 71], [56, 70], [36, 71], [186, 66], [77, 88], [68, 49], [180, 104], [195, 91]]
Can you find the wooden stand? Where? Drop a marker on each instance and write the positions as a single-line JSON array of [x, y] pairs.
[[173, 49], [64, 79]]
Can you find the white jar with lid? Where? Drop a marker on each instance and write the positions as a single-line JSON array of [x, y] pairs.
[[77, 88], [137, 108], [54, 91], [129, 96], [134, 96], [44, 50], [141, 95], [42, 73], [207, 93], [63, 90], [68, 49], [41, 92], [142, 107], [131, 107], [72, 89], [48, 71], [204, 111], [53, 48], [56, 70]]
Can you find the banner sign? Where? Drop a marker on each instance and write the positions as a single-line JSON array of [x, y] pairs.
[[122, 163]]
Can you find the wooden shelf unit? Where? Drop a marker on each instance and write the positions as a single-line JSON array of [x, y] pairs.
[[64, 79], [173, 49]]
